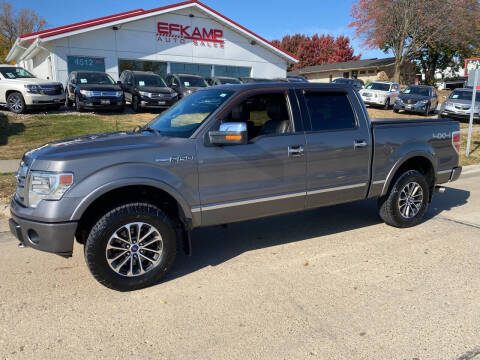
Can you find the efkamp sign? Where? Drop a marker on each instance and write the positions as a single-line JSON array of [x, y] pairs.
[[173, 33]]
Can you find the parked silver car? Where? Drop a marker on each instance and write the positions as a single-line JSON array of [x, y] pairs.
[[380, 93], [459, 104]]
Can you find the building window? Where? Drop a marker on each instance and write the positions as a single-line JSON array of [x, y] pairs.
[[330, 78], [346, 75], [354, 74], [362, 72], [79, 63], [188, 68], [232, 71], [371, 71], [157, 67]]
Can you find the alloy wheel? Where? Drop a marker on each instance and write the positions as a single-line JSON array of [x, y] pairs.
[[15, 103], [410, 200], [134, 249]]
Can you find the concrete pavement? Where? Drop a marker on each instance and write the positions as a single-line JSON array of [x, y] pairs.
[[333, 283], [8, 166]]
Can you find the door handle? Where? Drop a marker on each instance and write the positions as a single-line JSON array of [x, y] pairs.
[[359, 144], [295, 151]]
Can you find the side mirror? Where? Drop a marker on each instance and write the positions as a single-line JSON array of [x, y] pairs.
[[233, 133], [119, 83], [444, 97]]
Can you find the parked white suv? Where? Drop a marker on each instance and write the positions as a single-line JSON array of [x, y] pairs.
[[20, 90], [380, 93]]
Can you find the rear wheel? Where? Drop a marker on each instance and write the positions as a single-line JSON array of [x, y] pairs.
[[16, 103], [131, 247], [407, 201]]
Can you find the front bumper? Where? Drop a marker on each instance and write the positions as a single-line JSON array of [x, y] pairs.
[[102, 103], [373, 100], [418, 108], [43, 100], [157, 104], [458, 115], [55, 238]]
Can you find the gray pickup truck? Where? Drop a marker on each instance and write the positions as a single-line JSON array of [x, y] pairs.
[[224, 154]]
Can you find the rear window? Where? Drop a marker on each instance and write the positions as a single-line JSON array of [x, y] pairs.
[[330, 111], [378, 86]]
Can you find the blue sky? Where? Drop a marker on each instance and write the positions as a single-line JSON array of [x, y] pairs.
[[269, 18]]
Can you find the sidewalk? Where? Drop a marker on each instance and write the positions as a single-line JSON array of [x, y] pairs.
[[9, 166]]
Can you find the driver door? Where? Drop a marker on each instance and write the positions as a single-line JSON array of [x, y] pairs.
[[264, 177]]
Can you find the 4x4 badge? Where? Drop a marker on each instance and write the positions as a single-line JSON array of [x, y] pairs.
[[175, 159]]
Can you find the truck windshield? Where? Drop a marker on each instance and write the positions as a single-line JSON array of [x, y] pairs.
[[15, 73], [149, 80], [193, 81], [95, 78], [464, 95], [416, 90], [378, 86], [182, 119]]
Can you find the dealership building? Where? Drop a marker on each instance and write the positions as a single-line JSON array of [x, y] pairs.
[[187, 37]]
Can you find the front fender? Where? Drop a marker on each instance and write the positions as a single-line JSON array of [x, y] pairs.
[[118, 176]]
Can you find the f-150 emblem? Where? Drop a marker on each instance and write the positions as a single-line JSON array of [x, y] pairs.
[[175, 159]]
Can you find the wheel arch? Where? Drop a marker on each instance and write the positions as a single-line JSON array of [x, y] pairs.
[[419, 160]]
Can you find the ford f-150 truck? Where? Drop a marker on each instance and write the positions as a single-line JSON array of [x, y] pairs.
[[224, 154]]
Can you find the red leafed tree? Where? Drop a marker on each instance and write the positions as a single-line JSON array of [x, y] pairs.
[[407, 26], [317, 49]]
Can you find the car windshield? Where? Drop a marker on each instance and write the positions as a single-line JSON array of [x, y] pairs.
[[193, 81], [94, 78], [182, 119], [464, 95], [378, 86], [149, 80], [416, 90], [229, 81], [15, 73]]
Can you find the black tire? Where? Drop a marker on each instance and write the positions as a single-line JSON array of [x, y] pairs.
[[427, 110], [387, 104], [121, 109], [78, 107], [396, 111], [136, 104], [389, 205], [16, 103], [107, 225]]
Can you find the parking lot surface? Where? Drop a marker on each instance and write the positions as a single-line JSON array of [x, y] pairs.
[[333, 283]]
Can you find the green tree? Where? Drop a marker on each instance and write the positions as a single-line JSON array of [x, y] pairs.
[[14, 23]]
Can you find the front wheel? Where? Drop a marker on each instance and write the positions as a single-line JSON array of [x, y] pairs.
[[395, 110], [386, 106], [407, 201], [16, 103], [131, 247], [136, 104], [78, 107]]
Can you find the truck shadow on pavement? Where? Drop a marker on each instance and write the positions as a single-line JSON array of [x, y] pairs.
[[214, 245]]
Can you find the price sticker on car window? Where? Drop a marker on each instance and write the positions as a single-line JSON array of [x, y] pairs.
[[83, 81], [186, 83], [11, 75], [455, 96], [141, 83], [407, 91]]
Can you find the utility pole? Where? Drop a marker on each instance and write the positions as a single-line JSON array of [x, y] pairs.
[[476, 75]]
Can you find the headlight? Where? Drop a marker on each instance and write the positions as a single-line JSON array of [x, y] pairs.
[[187, 92], [118, 93], [145, 93], [47, 186], [399, 101], [423, 102], [33, 89], [86, 93]]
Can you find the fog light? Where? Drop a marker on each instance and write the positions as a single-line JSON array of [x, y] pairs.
[[33, 236]]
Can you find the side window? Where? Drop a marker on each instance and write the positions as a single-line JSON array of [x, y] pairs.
[[330, 111], [175, 81], [265, 114], [122, 77]]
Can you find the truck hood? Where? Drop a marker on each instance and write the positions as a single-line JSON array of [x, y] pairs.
[[97, 146], [415, 97], [34, 81]]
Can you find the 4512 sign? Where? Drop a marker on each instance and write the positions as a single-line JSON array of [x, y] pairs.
[[177, 33]]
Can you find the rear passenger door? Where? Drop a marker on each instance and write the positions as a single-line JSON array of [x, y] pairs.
[[338, 147]]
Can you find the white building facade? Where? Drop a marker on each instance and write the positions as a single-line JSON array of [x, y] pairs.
[[187, 37]]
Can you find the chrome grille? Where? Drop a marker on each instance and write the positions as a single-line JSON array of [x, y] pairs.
[[160, 96], [411, 101], [21, 176], [367, 94], [51, 89], [462, 107], [104, 93]]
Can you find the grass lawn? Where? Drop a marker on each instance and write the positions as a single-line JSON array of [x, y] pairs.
[[7, 187], [21, 133]]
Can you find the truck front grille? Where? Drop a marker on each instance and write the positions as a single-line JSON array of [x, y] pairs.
[[50, 89]]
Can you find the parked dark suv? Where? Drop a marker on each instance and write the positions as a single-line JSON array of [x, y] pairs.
[[146, 90], [357, 84], [222, 80], [93, 90], [417, 98], [185, 84]]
